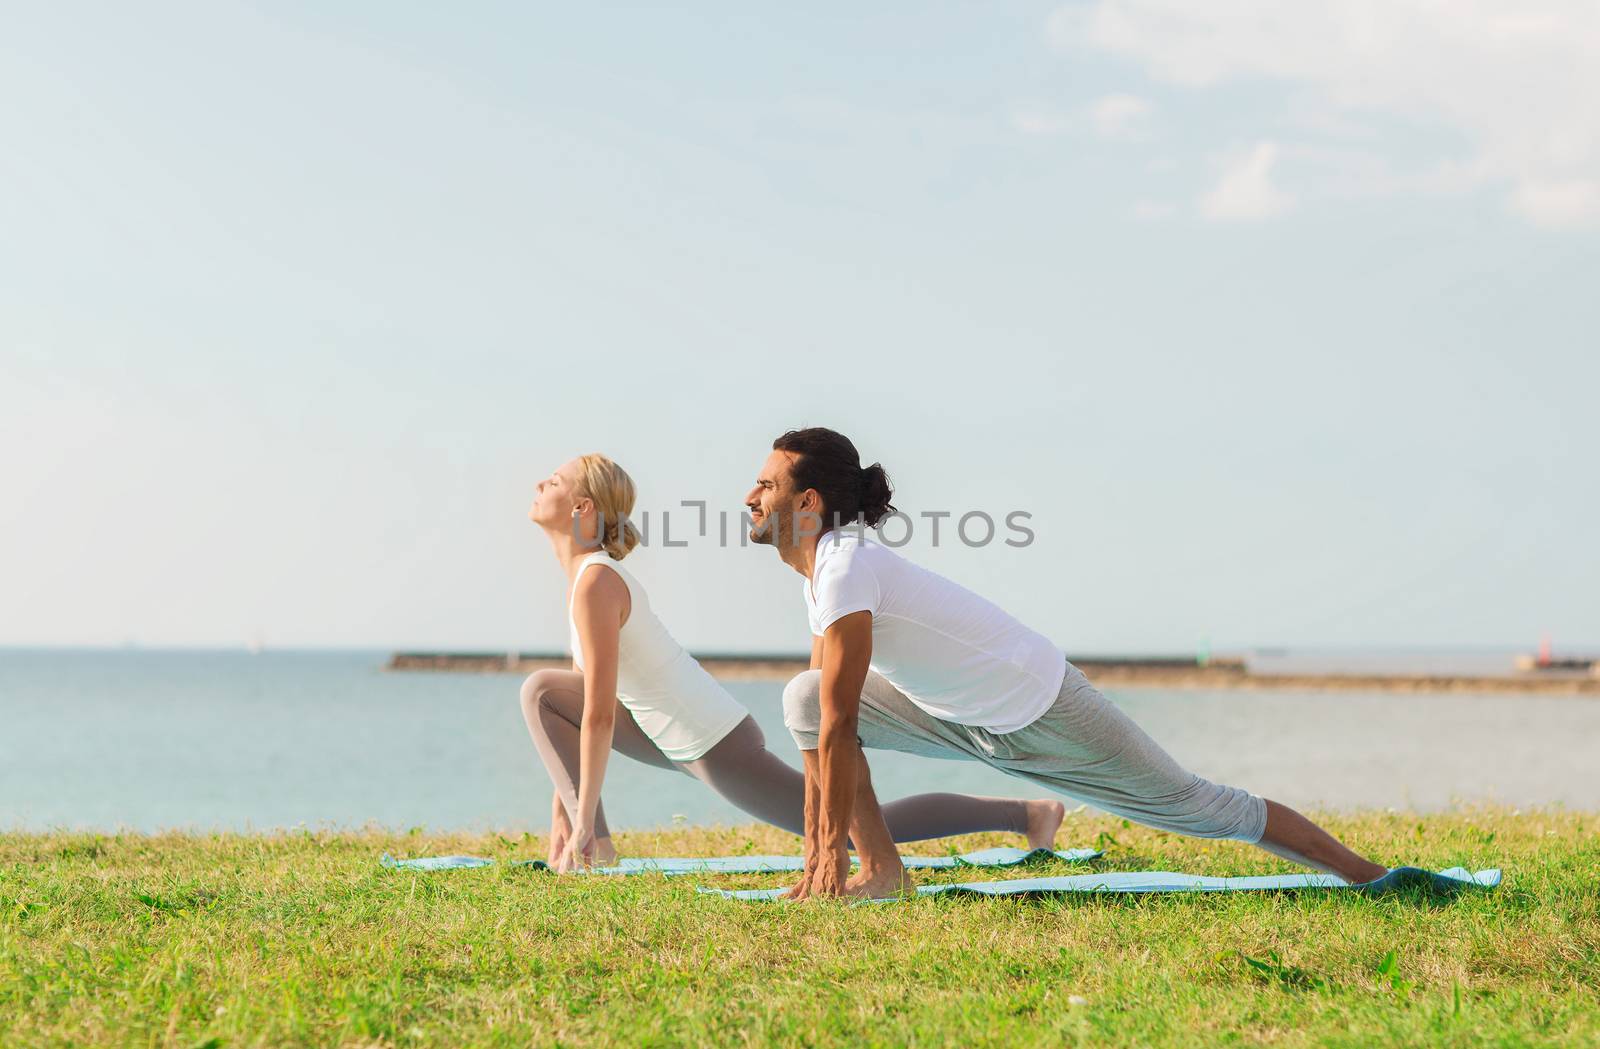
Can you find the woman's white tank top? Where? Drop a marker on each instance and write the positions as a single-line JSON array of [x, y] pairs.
[[678, 705]]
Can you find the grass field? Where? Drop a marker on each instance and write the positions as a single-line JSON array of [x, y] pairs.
[[302, 939]]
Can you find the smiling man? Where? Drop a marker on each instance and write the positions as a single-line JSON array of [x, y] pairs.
[[904, 659]]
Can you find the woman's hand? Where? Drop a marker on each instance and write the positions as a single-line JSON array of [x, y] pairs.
[[560, 830], [580, 853], [599, 604]]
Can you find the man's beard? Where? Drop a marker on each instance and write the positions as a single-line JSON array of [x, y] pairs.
[[765, 531]]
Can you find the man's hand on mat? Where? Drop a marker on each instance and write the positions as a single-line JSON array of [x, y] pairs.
[[832, 878], [833, 871], [801, 889]]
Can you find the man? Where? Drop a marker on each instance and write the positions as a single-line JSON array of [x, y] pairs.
[[904, 659]]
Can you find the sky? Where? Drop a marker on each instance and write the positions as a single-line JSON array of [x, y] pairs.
[[1278, 320]]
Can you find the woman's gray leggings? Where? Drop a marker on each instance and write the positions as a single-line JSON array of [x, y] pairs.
[[739, 767]]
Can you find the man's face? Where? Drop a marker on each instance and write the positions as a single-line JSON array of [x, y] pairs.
[[777, 511]]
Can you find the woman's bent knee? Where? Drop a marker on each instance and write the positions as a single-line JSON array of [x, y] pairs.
[[537, 685]]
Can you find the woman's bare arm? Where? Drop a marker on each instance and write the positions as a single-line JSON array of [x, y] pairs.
[[599, 608]]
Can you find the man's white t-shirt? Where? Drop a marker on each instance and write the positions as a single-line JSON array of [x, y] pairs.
[[956, 655]]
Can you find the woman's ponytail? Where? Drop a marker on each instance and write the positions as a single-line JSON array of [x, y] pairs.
[[613, 493], [617, 541]]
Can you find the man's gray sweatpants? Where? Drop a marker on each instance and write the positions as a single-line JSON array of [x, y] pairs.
[[1082, 746]]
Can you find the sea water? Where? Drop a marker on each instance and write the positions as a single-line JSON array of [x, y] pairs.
[[152, 740]]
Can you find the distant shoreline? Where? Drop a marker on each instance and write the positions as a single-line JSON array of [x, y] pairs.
[[1109, 672]]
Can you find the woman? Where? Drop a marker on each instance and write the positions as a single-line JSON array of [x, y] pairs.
[[635, 690]]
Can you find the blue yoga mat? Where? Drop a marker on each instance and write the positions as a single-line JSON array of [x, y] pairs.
[[1447, 881], [674, 865]]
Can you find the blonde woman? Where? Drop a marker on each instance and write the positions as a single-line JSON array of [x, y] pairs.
[[635, 690]]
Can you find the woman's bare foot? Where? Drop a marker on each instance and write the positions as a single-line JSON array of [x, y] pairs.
[[605, 854], [1044, 820]]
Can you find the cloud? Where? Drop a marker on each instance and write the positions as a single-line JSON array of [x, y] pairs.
[[1245, 189], [1111, 116], [1119, 116], [1516, 85], [1574, 202]]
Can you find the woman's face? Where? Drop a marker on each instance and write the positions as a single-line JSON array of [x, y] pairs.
[[557, 498]]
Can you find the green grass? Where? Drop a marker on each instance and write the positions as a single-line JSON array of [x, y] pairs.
[[302, 939]]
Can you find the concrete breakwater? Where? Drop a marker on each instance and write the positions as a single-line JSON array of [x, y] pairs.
[[770, 667], [1105, 671]]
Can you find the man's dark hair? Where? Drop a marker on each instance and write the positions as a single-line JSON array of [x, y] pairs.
[[827, 461]]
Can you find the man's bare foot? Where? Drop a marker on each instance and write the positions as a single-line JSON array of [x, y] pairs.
[[880, 884], [1044, 820], [1365, 872]]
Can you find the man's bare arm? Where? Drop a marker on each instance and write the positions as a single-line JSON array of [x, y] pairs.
[[813, 815], [813, 804], [846, 653]]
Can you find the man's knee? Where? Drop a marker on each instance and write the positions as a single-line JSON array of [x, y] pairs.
[[1213, 810], [802, 708]]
